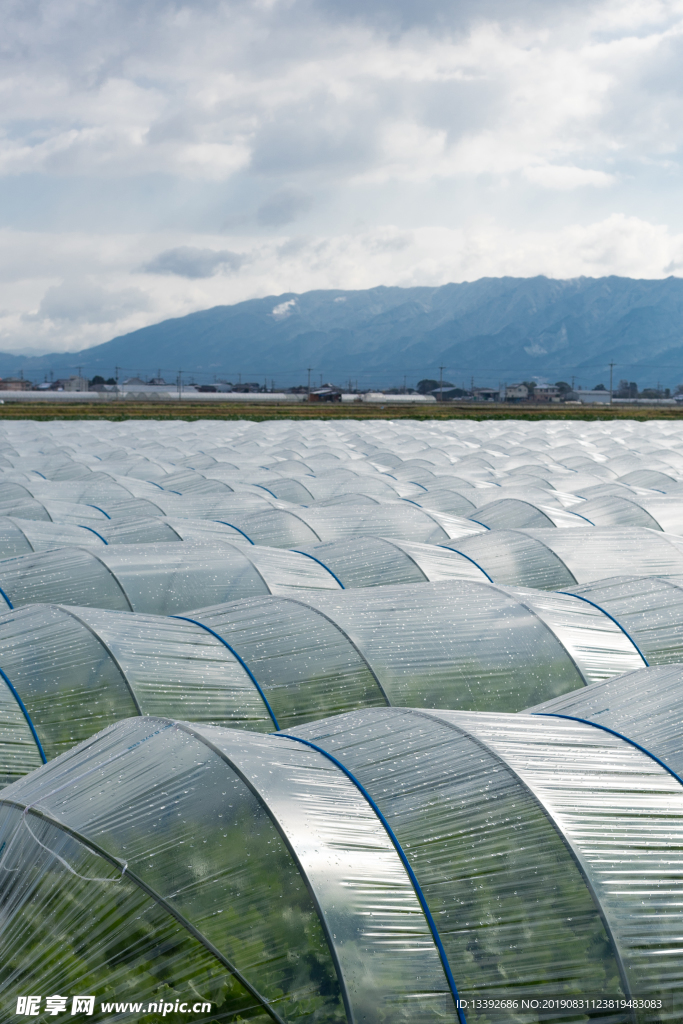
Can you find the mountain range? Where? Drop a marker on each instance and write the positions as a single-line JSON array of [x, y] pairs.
[[492, 330]]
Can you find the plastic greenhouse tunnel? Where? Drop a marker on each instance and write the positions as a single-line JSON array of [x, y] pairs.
[[342, 871], [264, 664], [161, 579], [557, 559]]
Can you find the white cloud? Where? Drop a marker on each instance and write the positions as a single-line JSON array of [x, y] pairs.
[[84, 291], [554, 176], [412, 142], [82, 302]]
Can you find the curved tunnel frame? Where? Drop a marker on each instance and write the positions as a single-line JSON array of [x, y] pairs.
[[137, 880]]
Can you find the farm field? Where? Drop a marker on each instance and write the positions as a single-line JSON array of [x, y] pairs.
[[336, 720], [255, 411]]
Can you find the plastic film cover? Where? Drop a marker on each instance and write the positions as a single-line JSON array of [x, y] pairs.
[[306, 666], [178, 669], [159, 800], [388, 959], [513, 910], [622, 815]]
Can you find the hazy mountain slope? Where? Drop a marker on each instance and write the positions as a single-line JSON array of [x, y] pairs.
[[494, 329]]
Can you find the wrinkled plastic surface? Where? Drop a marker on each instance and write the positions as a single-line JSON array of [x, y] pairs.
[[513, 909], [649, 609]]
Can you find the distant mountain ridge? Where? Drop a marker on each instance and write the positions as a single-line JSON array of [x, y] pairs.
[[494, 329]]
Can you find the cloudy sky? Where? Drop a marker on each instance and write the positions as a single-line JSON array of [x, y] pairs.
[[160, 157]]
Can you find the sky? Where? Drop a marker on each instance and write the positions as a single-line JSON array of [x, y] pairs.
[[157, 158]]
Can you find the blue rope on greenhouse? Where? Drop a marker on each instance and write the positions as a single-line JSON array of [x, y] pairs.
[[26, 716], [616, 622], [95, 532], [241, 661], [100, 510], [404, 860], [268, 491], [613, 732], [6, 598], [463, 555], [233, 527], [326, 567]]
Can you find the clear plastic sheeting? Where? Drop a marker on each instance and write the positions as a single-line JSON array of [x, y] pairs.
[[507, 513], [162, 579], [599, 645], [621, 814], [514, 912], [305, 664], [456, 644], [69, 672], [439, 563], [667, 513], [65, 678], [149, 803], [402, 521], [556, 559], [389, 963], [23, 508], [21, 536], [76, 670], [456, 502], [57, 931], [20, 752], [649, 609], [67, 575], [275, 528], [513, 557], [174, 667], [13, 540], [645, 706], [468, 642], [275, 873], [376, 561], [154, 530], [617, 510]]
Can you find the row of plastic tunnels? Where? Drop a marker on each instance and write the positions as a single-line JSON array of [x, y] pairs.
[[341, 723]]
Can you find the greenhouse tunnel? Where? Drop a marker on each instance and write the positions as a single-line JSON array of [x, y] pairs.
[[291, 528], [508, 513], [270, 663], [289, 840], [377, 561], [161, 579], [650, 609], [550, 559], [644, 706]]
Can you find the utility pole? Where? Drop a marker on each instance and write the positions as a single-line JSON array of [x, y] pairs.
[[180, 384], [117, 382], [309, 384], [441, 369], [611, 367]]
